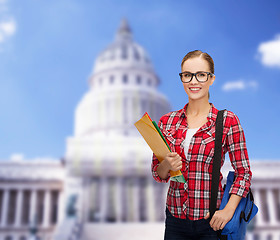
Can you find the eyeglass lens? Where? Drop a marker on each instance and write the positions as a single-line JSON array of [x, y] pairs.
[[200, 76]]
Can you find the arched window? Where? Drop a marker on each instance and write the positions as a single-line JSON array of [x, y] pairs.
[[124, 52], [125, 79], [138, 80], [112, 79], [136, 54], [22, 238], [8, 238]]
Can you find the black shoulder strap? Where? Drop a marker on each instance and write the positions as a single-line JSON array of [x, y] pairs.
[[216, 162]]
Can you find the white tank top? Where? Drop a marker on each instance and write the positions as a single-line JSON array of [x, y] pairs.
[[189, 135]]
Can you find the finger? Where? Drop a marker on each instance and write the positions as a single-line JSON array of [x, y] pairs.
[[223, 225], [217, 226], [213, 222], [177, 167], [173, 154], [179, 164], [207, 216], [178, 158]]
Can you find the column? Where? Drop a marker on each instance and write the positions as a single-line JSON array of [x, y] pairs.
[[249, 236], [33, 202], [103, 198], [271, 202], [150, 202], [47, 209], [86, 200], [5, 206], [61, 206], [118, 199], [258, 202], [130, 200], [278, 207], [136, 196], [19, 203]]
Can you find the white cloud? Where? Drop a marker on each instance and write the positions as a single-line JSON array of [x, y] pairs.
[[239, 85], [7, 22], [269, 52], [7, 29], [17, 157]]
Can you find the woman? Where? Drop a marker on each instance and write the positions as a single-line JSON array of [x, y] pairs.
[[190, 133]]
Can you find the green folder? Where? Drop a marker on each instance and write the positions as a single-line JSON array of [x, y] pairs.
[[176, 178]]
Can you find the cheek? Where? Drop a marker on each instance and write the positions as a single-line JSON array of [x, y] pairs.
[[186, 88]]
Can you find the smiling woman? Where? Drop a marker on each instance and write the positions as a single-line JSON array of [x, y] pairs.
[[190, 133]]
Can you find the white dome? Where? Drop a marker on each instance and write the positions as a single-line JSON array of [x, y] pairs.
[[123, 53], [123, 86]]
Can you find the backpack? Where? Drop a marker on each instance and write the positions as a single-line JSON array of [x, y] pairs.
[[235, 229]]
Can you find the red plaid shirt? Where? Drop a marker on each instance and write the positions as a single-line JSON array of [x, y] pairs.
[[192, 199]]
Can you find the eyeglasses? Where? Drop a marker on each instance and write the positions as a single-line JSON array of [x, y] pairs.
[[200, 76]]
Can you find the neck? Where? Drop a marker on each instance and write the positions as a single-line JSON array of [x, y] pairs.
[[198, 107]]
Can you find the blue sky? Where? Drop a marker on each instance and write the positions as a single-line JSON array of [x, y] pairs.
[[48, 48]]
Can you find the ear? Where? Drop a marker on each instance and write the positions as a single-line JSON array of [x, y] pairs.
[[212, 79]]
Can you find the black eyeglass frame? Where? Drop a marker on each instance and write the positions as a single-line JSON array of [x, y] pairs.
[[194, 74]]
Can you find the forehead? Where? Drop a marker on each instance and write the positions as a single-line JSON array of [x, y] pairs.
[[195, 64]]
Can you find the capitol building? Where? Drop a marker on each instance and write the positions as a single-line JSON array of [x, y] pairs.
[[103, 188]]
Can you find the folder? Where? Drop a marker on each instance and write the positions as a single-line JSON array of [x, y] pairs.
[[156, 141]]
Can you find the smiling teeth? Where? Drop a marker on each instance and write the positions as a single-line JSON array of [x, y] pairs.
[[194, 89]]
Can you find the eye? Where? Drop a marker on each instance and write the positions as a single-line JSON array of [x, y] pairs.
[[187, 75], [201, 74]]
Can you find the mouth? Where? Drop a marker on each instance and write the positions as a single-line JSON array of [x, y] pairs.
[[195, 89]]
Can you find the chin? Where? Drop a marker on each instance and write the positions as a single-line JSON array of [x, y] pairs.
[[197, 97]]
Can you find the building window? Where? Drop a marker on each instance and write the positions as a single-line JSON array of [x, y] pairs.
[[125, 79], [138, 80], [149, 82], [100, 81], [112, 79], [8, 238], [136, 53], [22, 238], [124, 52]]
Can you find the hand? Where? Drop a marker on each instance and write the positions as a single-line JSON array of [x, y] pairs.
[[220, 218], [173, 161]]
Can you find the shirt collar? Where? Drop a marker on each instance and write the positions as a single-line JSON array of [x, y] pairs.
[[212, 115]]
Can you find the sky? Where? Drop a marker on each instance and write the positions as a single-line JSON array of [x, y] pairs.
[[48, 49]]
